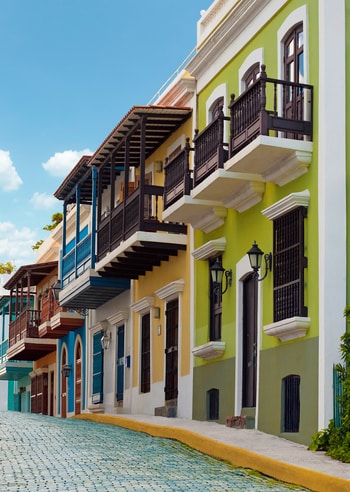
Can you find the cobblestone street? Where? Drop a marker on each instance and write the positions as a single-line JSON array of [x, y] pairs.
[[40, 453]]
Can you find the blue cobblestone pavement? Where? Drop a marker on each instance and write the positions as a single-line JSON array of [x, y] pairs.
[[40, 453]]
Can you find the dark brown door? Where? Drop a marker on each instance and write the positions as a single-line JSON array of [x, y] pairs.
[[51, 398], [171, 350], [249, 352]]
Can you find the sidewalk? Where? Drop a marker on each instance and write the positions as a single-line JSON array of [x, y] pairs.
[[268, 454]]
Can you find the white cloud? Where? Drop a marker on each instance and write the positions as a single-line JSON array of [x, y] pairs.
[[9, 178], [16, 244], [45, 201], [61, 163]]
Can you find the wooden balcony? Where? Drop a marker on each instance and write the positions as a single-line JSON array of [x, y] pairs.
[[134, 238], [55, 320], [270, 140], [12, 370], [24, 340], [271, 130]]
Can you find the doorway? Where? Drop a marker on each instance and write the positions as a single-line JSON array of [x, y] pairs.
[[171, 350], [78, 373], [63, 385], [120, 364], [249, 342]]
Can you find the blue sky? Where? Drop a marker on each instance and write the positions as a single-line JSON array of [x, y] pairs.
[[71, 69]]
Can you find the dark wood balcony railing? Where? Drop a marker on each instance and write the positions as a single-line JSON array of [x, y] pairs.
[[178, 176], [209, 149], [49, 307], [270, 107], [136, 213], [24, 326]]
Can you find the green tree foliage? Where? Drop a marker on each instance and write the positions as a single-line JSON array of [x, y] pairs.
[[335, 441], [7, 267], [55, 220]]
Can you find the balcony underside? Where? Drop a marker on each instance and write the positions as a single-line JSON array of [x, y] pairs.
[[13, 370], [276, 160], [90, 290], [61, 324], [30, 349], [140, 253], [205, 215]]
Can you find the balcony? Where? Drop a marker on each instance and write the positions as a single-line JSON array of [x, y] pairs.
[[133, 238], [24, 340], [12, 370], [55, 320], [25, 343], [270, 141]]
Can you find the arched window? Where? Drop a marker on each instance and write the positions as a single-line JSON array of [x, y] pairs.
[[294, 55], [251, 75], [294, 72], [215, 108]]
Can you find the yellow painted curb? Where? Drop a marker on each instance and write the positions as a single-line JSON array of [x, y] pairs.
[[316, 481]]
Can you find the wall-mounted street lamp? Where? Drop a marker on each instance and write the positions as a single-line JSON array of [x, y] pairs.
[[56, 288], [217, 272], [255, 258], [66, 370], [106, 339]]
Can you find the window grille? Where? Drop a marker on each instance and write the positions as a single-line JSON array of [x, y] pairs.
[[213, 404], [290, 403], [215, 308], [289, 264]]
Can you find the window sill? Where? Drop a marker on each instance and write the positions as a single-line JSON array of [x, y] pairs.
[[288, 329], [210, 350]]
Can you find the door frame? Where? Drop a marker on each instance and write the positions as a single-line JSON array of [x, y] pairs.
[[243, 269]]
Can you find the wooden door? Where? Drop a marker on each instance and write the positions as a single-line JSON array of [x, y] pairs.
[[171, 350], [78, 372], [249, 349]]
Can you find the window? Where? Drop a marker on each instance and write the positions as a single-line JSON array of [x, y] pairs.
[[294, 72], [251, 75], [289, 264], [215, 308], [97, 368], [145, 354], [294, 55], [213, 404], [290, 403], [215, 108]]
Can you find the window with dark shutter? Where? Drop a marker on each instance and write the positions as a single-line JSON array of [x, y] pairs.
[[145, 354], [215, 309], [288, 265], [97, 368], [290, 403]]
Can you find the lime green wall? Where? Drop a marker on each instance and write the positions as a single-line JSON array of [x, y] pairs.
[[241, 229], [276, 359], [300, 358]]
